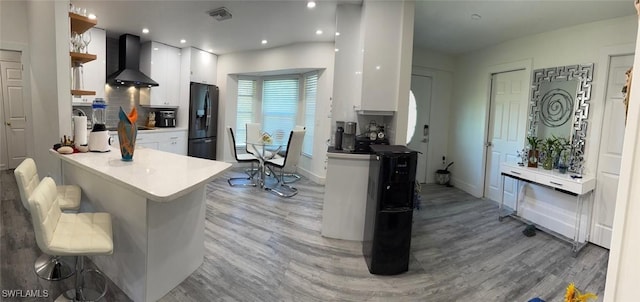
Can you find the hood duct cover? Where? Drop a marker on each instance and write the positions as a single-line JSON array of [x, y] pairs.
[[129, 73]]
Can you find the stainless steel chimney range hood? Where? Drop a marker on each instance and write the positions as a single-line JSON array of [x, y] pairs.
[[129, 73]]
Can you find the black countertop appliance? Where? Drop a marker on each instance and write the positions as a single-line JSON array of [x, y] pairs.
[[389, 209], [363, 144]]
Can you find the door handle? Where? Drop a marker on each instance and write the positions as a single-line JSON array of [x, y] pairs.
[[488, 144], [8, 123]]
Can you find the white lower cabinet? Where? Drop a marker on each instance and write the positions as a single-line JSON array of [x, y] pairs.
[[169, 141], [175, 143]]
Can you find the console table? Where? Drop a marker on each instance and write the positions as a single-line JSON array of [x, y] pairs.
[[581, 188]]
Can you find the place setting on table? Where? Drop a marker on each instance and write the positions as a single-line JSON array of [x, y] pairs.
[[264, 149]]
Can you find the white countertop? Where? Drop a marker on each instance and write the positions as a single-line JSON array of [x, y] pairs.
[[157, 130], [162, 129], [157, 175], [346, 155]]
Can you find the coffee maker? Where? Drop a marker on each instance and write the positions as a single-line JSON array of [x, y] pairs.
[[349, 136], [99, 136]]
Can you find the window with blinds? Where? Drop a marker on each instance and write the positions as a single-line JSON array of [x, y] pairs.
[[246, 97], [310, 92], [280, 107]]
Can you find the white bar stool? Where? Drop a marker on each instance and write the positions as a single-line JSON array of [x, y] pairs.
[[47, 267], [70, 234]]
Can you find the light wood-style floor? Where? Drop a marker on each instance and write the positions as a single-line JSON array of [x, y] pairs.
[[260, 247]]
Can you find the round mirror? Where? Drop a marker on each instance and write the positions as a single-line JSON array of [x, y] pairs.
[[413, 114]]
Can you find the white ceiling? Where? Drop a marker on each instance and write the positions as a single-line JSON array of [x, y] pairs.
[[444, 26], [279, 22]]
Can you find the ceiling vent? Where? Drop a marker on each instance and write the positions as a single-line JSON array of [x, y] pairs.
[[220, 14]]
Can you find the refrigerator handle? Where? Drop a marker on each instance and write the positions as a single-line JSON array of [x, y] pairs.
[[207, 101]]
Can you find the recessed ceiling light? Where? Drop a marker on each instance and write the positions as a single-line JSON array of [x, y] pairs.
[[210, 50], [311, 4], [155, 48], [476, 17], [92, 16], [145, 30], [183, 41], [319, 32], [336, 49], [264, 42], [337, 33]]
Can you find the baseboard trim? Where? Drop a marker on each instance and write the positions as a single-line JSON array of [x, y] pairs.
[[456, 182]]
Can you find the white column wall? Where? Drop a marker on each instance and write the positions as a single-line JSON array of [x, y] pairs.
[[623, 274], [49, 77]]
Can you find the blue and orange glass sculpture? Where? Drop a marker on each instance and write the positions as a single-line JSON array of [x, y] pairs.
[[127, 132]]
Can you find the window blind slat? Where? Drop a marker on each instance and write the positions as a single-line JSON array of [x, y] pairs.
[[279, 108], [310, 93], [246, 97]]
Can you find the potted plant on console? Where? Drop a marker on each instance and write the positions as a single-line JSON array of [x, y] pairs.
[[546, 155], [563, 163], [533, 151], [559, 146]]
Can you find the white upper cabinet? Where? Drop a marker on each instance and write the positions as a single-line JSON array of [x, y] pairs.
[[162, 64], [202, 65], [381, 49], [95, 72]]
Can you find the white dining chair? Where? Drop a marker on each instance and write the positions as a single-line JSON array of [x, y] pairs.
[[287, 164], [293, 176]]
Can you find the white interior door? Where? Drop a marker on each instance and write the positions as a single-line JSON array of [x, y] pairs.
[[506, 131], [421, 88], [13, 113], [611, 141]]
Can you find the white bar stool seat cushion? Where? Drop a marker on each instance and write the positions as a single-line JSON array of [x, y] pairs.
[[82, 234]]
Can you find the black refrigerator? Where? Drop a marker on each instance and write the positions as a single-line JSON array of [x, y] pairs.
[[203, 120], [389, 209]]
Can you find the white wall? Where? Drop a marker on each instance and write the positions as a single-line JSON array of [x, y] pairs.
[[572, 45], [14, 35], [469, 112], [296, 56], [440, 68]]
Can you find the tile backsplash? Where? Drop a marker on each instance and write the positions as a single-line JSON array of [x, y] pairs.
[[125, 97], [121, 96]]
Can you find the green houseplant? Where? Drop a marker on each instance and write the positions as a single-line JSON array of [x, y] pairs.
[[533, 151]]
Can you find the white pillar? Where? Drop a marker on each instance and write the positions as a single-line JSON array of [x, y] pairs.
[[623, 275]]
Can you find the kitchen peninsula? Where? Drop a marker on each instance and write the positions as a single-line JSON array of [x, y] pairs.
[[157, 203]]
